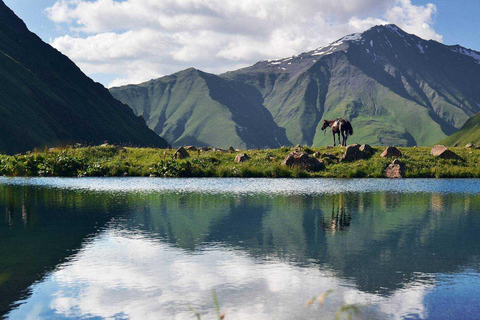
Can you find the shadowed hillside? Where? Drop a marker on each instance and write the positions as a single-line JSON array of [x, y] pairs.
[[46, 100]]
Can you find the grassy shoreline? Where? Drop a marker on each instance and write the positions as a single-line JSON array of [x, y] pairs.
[[112, 161]]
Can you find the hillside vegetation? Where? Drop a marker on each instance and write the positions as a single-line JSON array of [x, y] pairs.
[[112, 161], [46, 100], [469, 133]]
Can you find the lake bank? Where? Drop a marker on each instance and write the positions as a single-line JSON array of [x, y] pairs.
[[112, 161]]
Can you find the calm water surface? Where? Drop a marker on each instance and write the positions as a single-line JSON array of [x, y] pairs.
[[156, 248]]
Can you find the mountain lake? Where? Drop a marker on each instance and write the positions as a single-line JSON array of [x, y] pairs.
[[148, 248]]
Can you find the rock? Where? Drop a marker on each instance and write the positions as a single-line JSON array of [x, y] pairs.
[[181, 153], [231, 149], [391, 152], [353, 153], [395, 170], [204, 149], [365, 148], [442, 152], [329, 147], [303, 160], [190, 148], [241, 157], [470, 145], [298, 148], [316, 154], [219, 150], [329, 156]]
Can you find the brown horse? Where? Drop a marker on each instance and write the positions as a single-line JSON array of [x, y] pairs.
[[341, 127]]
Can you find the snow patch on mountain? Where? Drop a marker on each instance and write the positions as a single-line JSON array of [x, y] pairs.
[[420, 47], [467, 52]]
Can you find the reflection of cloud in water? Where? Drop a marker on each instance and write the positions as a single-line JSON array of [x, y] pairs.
[[121, 275]]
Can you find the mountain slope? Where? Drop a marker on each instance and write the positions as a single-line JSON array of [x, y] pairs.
[[395, 88], [469, 133], [194, 107], [46, 100]]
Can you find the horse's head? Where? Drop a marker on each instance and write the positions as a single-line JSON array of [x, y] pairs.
[[325, 125]]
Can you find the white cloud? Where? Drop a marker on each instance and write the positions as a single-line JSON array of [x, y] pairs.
[[119, 274], [136, 40]]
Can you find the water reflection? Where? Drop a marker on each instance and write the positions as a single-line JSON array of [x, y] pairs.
[[79, 253]]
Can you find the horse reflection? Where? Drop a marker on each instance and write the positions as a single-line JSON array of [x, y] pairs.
[[339, 219]]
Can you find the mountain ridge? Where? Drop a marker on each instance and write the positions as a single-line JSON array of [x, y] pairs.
[[395, 87]]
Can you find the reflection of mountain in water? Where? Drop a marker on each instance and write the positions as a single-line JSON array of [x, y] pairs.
[[379, 240], [41, 229]]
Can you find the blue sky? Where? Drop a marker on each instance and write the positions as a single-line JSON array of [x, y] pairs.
[[129, 41]]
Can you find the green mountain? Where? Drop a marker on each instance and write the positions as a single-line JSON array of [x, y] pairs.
[[46, 100], [192, 107], [395, 88], [469, 133]]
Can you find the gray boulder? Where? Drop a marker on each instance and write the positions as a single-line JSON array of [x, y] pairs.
[[303, 160], [367, 149], [395, 170], [391, 152], [241, 157], [443, 152], [181, 153], [353, 153]]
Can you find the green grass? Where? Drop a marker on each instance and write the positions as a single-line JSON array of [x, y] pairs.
[[111, 161]]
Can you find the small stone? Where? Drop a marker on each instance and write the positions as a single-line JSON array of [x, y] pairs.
[[470, 145], [181, 153], [190, 148], [241, 157], [395, 170], [303, 160], [353, 153], [231, 149], [367, 149], [391, 152]]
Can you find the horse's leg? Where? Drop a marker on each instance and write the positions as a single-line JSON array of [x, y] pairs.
[[345, 136], [333, 139]]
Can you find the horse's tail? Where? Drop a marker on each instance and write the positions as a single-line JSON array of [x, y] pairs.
[[349, 128]]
